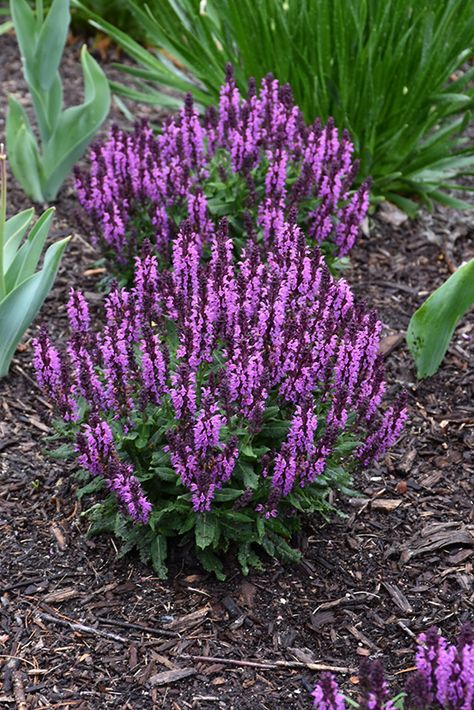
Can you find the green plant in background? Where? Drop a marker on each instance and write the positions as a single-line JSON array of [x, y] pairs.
[[432, 325], [391, 72], [116, 11], [22, 288], [7, 25], [65, 135]]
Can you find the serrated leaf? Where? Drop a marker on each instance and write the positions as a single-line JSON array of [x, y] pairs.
[[206, 530], [211, 563], [227, 494], [159, 552], [94, 486]]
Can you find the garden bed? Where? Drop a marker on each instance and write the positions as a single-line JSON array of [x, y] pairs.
[[366, 586]]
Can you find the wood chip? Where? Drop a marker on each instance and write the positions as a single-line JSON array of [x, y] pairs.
[[320, 619], [398, 597], [167, 677], [58, 534], [391, 214], [390, 343], [189, 620], [437, 536], [384, 505], [61, 595]]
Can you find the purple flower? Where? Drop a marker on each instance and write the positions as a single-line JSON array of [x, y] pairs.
[[374, 693], [141, 186], [78, 312], [212, 346], [447, 671], [99, 456], [326, 695]]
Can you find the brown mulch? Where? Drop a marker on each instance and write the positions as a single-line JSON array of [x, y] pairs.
[[82, 629]]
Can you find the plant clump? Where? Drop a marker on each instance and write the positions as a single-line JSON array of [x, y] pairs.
[[221, 400], [253, 160], [444, 678]]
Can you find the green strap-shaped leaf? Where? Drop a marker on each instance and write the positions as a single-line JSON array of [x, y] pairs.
[[25, 28], [15, 230], [48, 106], [26, 260], [76, 127], [23, 151], [19, 308], [432, 325], [51, 41]]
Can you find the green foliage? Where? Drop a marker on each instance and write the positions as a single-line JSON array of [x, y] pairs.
[[391, 72], [64, 135], [244, 530], [116, 11], [22, 288], [432, 325]]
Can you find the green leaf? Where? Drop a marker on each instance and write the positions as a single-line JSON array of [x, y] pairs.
[[6, 27], [248, 558], [21, 305], [28, 256], [249, 477], [166, 474], [97, 484], [211, 563], [432, 325], [25, 28], [23, 151], [15, 230], [159, 552], [76, 127], [228, 494], [206, 530], [51, 40]]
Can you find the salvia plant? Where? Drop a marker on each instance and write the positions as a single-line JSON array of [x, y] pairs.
[[221, 399], [253, 159], [22, 288], [394, 73], [41, 168], [444, 679]]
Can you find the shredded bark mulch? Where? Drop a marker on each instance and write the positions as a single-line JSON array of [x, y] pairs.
[[82, 629]]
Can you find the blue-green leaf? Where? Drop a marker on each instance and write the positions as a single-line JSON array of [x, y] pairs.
[[432, 325]]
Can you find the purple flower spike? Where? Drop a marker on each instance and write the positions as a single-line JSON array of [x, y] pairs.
[[326, 695], [99, 456], [207, 350], [258, 146], [373, 687]]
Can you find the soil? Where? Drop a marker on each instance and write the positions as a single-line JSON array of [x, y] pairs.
[[400, 561]]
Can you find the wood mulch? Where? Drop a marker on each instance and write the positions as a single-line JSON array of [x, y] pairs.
[[82, 629]]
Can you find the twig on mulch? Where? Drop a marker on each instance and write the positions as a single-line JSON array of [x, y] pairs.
[[271, 666], [140, 627], [82, 627], [19, 691], [37, 580]]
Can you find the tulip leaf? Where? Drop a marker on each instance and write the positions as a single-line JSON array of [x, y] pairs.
[[15, 230], [432, 325], [76, 126], [41, 168], [20, 306]]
